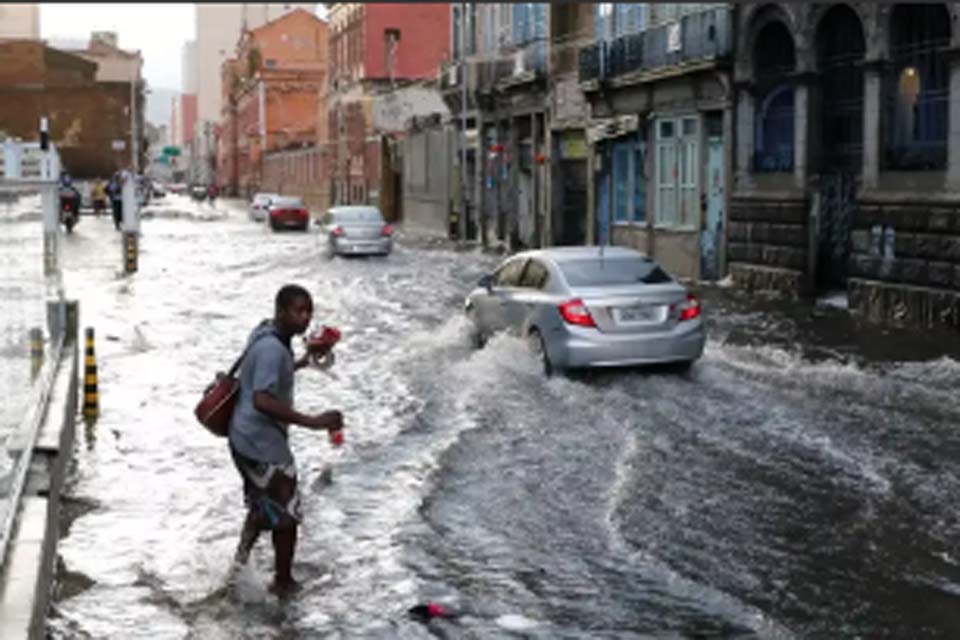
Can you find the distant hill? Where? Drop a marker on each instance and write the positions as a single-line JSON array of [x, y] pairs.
[[159, 106]]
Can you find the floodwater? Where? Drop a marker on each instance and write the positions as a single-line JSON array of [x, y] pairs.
[[792, 485]]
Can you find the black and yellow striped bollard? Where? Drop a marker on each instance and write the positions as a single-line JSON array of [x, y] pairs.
[[131, 251], [91, 397]]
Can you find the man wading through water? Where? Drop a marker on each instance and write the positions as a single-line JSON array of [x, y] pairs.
[[258, 431]]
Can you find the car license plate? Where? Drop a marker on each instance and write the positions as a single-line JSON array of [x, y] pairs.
[[637, 314]]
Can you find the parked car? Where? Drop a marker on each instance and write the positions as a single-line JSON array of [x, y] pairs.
[[357, 230], [198, 192], [286, 212], [260, 204], [584, 307]]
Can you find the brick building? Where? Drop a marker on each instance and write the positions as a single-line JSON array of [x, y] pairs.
[[270, 99], [88, 120], [383, 63]]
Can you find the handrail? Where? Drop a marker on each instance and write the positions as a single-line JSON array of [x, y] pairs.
[[28, 431]]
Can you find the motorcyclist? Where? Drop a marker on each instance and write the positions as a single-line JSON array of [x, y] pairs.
[[70, 201]]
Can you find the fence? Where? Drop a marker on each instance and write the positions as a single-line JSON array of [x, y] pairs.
[[31, 298], [302, 172]]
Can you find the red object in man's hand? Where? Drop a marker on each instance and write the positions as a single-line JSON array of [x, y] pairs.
[[336, 437], [326, 337]]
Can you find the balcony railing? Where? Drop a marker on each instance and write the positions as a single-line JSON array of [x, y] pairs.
[[591, 61], [706, 35]]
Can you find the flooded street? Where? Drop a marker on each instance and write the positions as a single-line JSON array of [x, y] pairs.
[[787, 487]]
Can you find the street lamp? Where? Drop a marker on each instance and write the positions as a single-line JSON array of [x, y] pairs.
[[134, 132]]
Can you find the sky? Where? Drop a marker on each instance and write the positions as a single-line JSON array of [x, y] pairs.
[[157, 30]]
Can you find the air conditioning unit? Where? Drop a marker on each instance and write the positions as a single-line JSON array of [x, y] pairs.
[[519, 67]]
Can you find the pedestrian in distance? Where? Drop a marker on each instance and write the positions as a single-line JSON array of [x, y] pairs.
[[258, 435], [99, 197], [115, 189]]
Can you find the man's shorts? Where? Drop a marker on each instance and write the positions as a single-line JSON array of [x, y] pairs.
[[270, 491]]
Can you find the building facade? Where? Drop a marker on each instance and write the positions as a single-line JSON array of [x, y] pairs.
[[384, 61], [113, 63], [218, 29], [271, 91], [501, 117], [94, 135], [847, 166], [572, 26], [20, 21], [660, 132]]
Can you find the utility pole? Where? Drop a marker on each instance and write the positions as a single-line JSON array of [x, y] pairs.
[[134, 135], [463, 122]]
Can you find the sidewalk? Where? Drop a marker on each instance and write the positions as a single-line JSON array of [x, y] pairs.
[[818, 329]]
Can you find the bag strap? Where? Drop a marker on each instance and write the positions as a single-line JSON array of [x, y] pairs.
[[236, 365]]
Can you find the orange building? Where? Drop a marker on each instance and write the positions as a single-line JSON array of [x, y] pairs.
[[270, 96]]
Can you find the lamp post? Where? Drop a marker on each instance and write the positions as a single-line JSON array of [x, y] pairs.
[[134, 132], [463, 122]]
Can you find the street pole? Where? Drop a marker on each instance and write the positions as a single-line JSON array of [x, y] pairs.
[[463, 122], [134, 147]]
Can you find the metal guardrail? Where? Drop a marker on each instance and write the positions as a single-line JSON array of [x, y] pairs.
[[32, 272], [27, 438]]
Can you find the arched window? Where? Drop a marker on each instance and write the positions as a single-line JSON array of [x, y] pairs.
[[917, 88], [774, 60], [840, 52]]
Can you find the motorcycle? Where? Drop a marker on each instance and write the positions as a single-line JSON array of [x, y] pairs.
[[69, 208]]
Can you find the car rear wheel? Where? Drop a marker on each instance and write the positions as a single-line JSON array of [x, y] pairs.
[[683, 367], [539, 349]]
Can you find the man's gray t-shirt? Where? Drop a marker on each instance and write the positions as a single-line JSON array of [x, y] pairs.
[[268, 366]]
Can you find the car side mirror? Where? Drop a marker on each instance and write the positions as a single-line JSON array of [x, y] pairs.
[[487, 283]]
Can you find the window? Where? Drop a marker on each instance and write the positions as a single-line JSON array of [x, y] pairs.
[[603, 19], [774, 59], [592, 272], [535, 276], [917, 88], [621, 182], [627, 180], [509, 274], [677, 171], [640, 182], [455, 53], [840, 53]]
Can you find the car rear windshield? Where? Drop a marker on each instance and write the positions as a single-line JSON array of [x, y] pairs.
[[358, 215], [597, 272], [288, 203]]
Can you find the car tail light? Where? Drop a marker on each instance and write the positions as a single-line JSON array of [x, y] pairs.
[[690, 309], [575, 312], [387, 230], [338, 231], [303, 212]]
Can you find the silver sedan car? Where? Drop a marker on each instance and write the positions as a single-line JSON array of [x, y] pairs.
[[260, 205], [584, 307], [357, 230]]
